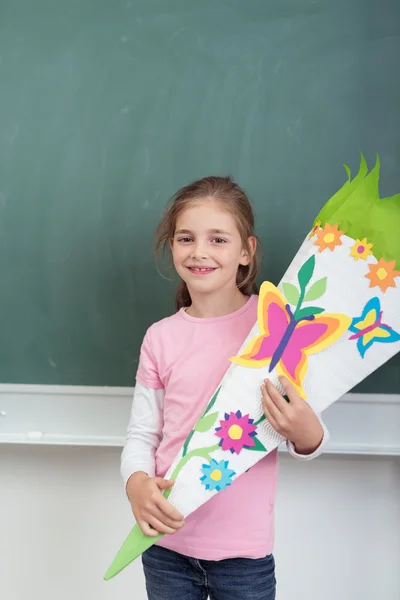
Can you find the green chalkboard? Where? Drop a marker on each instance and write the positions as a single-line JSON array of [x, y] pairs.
[[108, 106]]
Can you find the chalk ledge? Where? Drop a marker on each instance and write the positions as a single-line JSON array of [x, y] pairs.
[[361, 424]]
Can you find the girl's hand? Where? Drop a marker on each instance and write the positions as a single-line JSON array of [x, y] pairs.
[[152, 512], [295, 420]]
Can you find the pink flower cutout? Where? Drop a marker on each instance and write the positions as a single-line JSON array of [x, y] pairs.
[[236, 432]]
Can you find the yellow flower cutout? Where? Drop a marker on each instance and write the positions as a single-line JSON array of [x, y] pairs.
[[383, 274], [314, 229], [361, 249], [328, 237]]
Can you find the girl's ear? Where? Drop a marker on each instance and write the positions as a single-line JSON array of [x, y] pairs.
[[247, 255], [171, 242]]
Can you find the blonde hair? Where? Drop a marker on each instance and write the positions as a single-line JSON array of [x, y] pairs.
[[235, 200]]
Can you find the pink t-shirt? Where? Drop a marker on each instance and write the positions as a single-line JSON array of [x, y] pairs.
[[188, 357]]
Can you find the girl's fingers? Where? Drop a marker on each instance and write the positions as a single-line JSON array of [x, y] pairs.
[[271, 407], [160, 527], [277, 398], [268, 407], [270, 419], [164, 484], [167, 509], [165, 520], [147, 530], [290, 390]]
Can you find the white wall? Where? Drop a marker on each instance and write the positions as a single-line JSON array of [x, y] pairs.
[[64, 514]]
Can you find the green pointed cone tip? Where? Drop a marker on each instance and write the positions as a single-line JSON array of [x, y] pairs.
[[135, 544]]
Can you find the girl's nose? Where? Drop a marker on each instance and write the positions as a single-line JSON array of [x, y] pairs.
[[199, 251]]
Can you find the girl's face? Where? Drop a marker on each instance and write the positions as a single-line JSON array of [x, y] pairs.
[[207, 249]]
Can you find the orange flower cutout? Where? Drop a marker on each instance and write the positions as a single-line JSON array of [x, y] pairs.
[[314, 229], [361, 249], [328, 237], [382, 274]]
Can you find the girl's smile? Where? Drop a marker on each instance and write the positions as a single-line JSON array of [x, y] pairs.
[[201, 270]]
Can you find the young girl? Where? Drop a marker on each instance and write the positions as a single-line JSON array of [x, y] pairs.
[[224, 549]]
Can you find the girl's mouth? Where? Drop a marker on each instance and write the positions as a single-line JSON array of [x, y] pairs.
[[201, 270]]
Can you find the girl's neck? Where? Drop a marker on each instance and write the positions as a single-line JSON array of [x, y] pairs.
[[209, 306]]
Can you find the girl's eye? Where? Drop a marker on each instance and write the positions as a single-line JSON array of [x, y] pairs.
[[219, 241], [185, 240]]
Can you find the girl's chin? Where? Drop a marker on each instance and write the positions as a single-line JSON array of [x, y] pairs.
[[204, 280], [202, 286]]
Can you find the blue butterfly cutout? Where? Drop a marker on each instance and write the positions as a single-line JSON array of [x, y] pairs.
[[369, 329]]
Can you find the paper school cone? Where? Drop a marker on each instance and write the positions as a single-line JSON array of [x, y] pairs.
[[333, 320]]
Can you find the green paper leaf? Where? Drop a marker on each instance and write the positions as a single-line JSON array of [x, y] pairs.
[[206, 423], [291, 293], [308, 311], [317, 290], [306, 272], [259, 447]]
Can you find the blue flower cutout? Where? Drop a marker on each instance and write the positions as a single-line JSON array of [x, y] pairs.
[[216, 475]]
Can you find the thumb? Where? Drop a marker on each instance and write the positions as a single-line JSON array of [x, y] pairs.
[[164, 484]]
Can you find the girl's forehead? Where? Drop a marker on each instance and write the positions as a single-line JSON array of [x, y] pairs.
[[207, 213]]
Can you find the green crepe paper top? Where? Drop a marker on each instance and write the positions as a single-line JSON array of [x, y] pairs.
[[361, 213]]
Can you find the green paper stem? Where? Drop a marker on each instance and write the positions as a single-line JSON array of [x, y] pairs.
[[211, 403], [208, 408], [199, 452], [308, 311], [260, 420], [187, 442], [304, 278]]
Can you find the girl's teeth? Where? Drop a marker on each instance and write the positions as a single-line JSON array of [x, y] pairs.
[[201, 270]]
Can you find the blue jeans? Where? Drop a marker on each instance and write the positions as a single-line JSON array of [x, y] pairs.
[[171, 576]]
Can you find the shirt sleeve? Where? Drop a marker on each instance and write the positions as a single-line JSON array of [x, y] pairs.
[[144, 432], [147, 373], [292, 450]]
